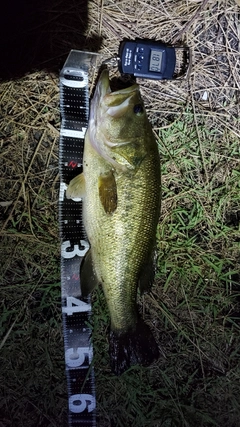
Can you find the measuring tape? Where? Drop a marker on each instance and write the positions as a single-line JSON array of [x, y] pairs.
[[76, 311]]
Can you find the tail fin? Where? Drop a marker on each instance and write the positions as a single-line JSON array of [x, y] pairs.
[[134, 347]]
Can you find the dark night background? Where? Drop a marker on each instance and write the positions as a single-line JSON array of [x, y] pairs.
[[39, 35]]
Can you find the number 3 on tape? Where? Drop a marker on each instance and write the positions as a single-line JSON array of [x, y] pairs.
[[79, 250]]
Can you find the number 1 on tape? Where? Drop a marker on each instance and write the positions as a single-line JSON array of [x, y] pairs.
[[74, 106]]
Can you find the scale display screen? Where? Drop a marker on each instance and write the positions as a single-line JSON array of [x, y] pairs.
[[147, 59], [155, 63]]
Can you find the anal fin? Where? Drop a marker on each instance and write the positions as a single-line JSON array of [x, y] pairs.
[[88, 277], [147, 274]]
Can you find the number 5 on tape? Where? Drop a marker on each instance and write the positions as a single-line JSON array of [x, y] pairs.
[[81, 402]]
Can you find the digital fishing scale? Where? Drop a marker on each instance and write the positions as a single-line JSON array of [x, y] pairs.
[[150, 59], [147, 59], [139, 58]]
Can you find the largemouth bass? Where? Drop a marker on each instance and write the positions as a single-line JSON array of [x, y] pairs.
[[120, 187]]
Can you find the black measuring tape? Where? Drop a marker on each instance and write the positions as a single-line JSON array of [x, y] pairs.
[[74, 107]]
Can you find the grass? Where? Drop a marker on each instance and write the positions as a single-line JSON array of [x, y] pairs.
[[194, 305]]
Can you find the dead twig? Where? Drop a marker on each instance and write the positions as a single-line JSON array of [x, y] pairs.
[[189, 23]]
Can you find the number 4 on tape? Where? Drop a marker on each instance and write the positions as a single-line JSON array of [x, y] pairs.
[[75, 305]]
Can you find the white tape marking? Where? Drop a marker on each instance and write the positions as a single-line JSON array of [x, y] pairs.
[[75, 357], [75, 305], [73, 133], [75, 83], [76, 249], [80, 402]]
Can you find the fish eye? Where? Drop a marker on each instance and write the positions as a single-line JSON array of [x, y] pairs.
[[138, 109]]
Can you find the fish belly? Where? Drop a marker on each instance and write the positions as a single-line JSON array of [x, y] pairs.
[[122, 241]]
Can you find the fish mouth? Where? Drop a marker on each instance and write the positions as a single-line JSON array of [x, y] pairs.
[[103, 86], [113, 104], [117, 102]]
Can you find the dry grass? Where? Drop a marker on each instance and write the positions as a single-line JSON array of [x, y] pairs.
[[194, 305]]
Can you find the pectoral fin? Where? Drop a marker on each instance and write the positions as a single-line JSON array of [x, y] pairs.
[[107, 189], [88, 277], [76, 188]]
